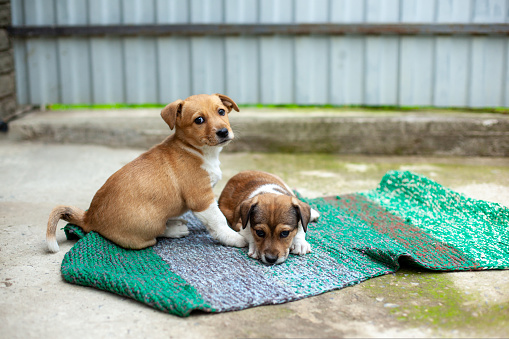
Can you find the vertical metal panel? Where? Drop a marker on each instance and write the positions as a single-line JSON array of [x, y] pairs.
[[138, 11], [107, 54], [105, 12], [277, 57], [382, 10], [42, 58], [17, 12], [280, 11], [245, 11], [174, 67], [172, 11], [42, 62], [71, 12], [416, 66], [206, 11], [381, 71], [490, 11], [277, 66], [454, 11], [418, 11], [22, 77], [73, 53], [173, 53], [242, 69], [507, 11], [108, 79], [452, 56], [452, 71], [140, 70], [346, 70], [311, 11], [311, 70], [505, 87], [20, 55], [487, 72], [242, 54], [39, 12], [140, 54], [74, 70], [207, 53], [345, 11], [416, 71]]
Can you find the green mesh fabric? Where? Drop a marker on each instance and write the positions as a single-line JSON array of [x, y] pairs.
[[408, 218], [140, 275], [477, 229]]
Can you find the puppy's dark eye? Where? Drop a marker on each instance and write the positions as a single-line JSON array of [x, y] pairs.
[[260, 233], [199, 121], [221, 112], [284, 234]]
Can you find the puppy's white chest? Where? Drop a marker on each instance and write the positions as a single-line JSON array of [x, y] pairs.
[[211, 164]]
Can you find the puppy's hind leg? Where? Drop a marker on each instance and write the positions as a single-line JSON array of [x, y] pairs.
[[176, 228]]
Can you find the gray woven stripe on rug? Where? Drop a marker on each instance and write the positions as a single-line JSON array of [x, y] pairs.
[[229, 280]]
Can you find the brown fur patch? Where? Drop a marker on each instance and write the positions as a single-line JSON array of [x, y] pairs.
[[132, 207], [267, 212], [273, 215]]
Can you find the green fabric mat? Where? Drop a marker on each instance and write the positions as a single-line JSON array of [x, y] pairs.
[[359, 236]]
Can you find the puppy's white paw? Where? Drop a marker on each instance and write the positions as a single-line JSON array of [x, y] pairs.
[[176, 228], [314, 215], [300, 247], [253, 252], [232, 239]]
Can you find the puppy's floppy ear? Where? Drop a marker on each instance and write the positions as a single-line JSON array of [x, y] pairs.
[[244, 210], [303, 212], [171, 111], [229, 103]]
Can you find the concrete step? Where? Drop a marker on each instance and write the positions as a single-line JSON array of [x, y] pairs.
[[335, 131]]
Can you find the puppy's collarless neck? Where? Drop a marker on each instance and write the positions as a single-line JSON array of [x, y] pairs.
[[210, 151], [187, 146]]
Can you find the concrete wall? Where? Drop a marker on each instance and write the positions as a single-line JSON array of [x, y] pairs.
[[7, 78]]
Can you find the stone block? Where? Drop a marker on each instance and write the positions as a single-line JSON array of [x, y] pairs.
[[4, 40], [5, 13], [6, 62], [7, 84], [8, 106]]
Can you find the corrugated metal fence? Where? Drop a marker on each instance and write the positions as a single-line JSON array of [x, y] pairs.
[[350, 69]]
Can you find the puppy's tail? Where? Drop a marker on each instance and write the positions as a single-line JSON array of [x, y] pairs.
[[70, 214]]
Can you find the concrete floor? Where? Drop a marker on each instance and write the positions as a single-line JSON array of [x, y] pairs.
[[36, 303]]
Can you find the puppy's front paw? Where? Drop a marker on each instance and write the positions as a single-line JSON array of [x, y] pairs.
[[253, 252], [233, 239], [300, 247]]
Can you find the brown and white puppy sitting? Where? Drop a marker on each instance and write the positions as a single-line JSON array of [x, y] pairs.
[[262, 208], [144, 199]]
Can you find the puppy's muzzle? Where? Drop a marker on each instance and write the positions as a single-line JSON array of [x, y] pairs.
[[271, 259], [223, 135]]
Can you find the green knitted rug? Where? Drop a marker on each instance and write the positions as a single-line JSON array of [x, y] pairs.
[[358, 236]]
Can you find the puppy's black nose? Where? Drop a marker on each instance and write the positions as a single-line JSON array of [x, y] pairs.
[[270, 258], [222, 133]]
